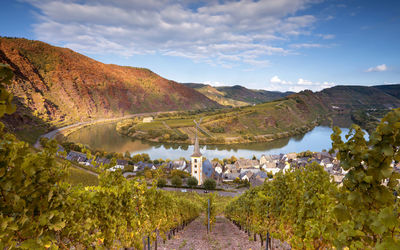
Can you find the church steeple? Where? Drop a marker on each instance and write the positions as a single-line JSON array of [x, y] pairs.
[[196, 151], [197, 161]]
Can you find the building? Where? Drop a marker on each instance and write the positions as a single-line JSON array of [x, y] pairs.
[[147, 119], [197, 163]]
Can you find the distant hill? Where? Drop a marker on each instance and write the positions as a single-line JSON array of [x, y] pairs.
[[291, 115], [390, 89], [237, 96], [294, 114], [358, 97], [57, 84]]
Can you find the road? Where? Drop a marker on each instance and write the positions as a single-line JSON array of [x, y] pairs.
[[53, 133]]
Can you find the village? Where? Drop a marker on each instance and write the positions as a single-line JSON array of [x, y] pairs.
[[227, 173]]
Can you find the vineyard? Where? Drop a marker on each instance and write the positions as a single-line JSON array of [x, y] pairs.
[[306, 209], [302, 207], [39, 209]]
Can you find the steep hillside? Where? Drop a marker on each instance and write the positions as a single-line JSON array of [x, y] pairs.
[[58, 84], [390, 89], [237, 96], [358, 97]]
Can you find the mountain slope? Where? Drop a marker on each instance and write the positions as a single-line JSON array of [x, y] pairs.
[[58, 84], [237, 96], [216, 95], [390, 89], [358, 97], [285, 117], [288, 116], [252, 96]]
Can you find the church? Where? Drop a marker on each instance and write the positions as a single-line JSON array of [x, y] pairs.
[[200, 169], [197, 163]]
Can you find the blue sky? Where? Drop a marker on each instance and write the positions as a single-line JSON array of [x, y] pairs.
[[272, 44]]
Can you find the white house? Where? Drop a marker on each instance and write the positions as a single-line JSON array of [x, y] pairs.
[[217, 167], [147, 119]]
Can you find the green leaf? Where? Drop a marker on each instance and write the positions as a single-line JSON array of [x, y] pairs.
[[386, 172], [368, 179], [43, 219]]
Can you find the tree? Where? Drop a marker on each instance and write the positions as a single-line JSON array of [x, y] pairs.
[[233, 159], [148, 174], [127, 154], [161, 182], [180, 173], [146, 157], [176, 181], [192, 182], [209, 184], [137, 158]]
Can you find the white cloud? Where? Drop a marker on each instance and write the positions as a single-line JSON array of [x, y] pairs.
[[215, 32], [378, 68], [307, 45], [216, 84], [276, 80], [326, 36], [301, 81], [276, 84]]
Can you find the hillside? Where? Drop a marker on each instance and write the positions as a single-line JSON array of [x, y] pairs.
[[390, 89], [358, 97], [292, 115], [59, 85], [237, 96], [252, 96], [216, 95]]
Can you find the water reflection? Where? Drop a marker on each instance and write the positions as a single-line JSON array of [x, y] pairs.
[[105, 137]]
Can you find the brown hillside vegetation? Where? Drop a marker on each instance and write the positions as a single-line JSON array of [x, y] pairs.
[[58, 84]]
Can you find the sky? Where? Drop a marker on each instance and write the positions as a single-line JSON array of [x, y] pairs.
[[280, 45]]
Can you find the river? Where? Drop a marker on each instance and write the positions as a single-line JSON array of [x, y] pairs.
[[105, 137]]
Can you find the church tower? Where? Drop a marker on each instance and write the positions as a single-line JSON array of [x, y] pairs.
[[197, 162]]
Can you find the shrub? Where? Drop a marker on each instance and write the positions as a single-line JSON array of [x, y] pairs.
[[192, 182], [161, 182], [176, 181], [209, 184]]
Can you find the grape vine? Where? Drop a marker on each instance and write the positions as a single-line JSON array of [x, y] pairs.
[[38, 209], [305, 208]]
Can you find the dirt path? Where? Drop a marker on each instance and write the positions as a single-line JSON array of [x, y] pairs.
[[225, 235]]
